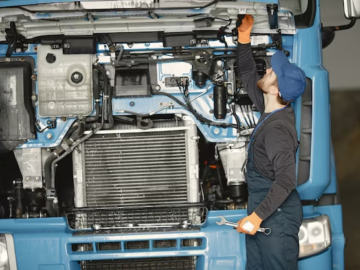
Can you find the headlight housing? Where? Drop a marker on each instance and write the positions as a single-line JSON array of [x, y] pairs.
[[7, 252], [314, 236]]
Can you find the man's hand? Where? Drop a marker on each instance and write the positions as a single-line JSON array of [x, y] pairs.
[[253, 219], [244, 29]]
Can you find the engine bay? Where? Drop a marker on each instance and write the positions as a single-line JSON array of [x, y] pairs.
[[97, 125]]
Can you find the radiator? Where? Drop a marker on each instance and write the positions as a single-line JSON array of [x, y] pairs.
[[135, 167]]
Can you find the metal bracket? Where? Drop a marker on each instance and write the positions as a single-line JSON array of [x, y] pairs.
[[272, 10], [16, 41]]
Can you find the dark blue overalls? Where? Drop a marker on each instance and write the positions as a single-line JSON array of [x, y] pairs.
[[280, 249]]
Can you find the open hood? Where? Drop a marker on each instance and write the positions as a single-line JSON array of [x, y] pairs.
[[131, 16]]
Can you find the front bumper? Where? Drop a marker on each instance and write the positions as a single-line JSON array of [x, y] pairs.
[[46, 244]]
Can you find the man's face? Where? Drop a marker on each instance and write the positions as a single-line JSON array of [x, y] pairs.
[[268, 80]]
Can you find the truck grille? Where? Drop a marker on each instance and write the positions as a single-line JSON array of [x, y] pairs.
[[171, 263], [136, 169], [119, 218]]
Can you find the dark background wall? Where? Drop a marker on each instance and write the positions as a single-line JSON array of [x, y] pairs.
[[342, 61]]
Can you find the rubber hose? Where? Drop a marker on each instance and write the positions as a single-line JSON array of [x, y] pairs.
[[47, 170], [106, 89], [96, 94], [220, 181], [79, 131]]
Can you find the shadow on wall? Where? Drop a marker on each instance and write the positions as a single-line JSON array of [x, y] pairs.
[[345, 128]]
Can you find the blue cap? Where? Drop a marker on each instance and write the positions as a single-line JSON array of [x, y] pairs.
[[291, 78]]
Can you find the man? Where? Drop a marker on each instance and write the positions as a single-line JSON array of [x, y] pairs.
[[271, 174]]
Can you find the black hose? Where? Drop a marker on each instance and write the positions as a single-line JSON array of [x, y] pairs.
[[96, 94], [71, 131], [47, 170], [79, 131], [171, 97], [105, 92], [110, 117], [219, 178]]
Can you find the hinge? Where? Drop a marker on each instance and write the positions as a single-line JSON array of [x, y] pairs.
[[272, 10]]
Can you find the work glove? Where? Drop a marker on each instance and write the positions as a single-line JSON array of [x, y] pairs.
[[244, 28], [249, 224]]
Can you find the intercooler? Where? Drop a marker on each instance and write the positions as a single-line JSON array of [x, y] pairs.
[[156, 167]]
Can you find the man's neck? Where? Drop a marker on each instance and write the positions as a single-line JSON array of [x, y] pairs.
[[271, 104]]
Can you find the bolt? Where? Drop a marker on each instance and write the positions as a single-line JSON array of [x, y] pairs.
[[37, 178], [35, 49], [33, 97], [49, 136], [7, 60], [219, 63], [211, 96], [216, 131], [132, 103], [27, 178], [154, 57], [22, 59], [33, 77], [157, 87], [63, 119]]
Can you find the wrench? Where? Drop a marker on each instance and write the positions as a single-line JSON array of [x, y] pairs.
[[223, 221]]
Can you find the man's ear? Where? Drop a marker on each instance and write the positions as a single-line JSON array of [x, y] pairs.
[[273, 90]]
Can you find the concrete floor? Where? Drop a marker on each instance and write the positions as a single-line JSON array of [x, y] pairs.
[[345, 111]]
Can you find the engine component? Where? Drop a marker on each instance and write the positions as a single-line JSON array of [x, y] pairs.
[[18, 202], [220, 101], [84, 45], [133, 82], [177, 40], [50, 58], [138, 167], [233, 157], [17, 120], [239, 193], [77, 77], [199, 78], [29, 161], [173, 81], [65, 85]]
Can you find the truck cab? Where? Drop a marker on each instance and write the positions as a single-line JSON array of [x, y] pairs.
[[124, 129]]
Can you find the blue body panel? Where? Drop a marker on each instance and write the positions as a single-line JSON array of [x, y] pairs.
[[46, 244]]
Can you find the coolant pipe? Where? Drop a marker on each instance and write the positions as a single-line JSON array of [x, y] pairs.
[[106, 90], [79, 131], [47, 170], [96, 93], [54, 162]]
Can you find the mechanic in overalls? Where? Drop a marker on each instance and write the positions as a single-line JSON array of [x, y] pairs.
[[271, 173]]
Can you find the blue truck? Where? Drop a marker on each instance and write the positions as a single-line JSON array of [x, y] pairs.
[[124, 129]]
